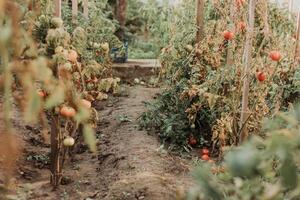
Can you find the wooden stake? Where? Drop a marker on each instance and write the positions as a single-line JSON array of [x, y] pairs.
[[297, 48], [200, 20], [121, 15], [291, 5], [266, 19], [57, 12], [247, 57], [229, 59], [55, 156], [74, 10], [86, 9]]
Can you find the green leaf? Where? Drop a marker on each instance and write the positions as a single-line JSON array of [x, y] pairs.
[[288, 172], [204, 178], [82, 114], [89, 137], [243, 162], [33, 107], [42, 71], [56, 98]]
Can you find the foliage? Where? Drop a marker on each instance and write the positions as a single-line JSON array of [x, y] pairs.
[[208, 78], [259, 169], [40, 66], [147, 27]]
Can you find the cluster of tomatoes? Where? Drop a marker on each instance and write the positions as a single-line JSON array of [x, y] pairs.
[[204, 153], [64, 110], [274, 55]]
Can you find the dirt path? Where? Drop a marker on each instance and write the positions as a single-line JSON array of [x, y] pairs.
[[131, 160], [129, 165]]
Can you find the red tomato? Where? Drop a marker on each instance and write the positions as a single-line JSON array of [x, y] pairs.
[[228, 35], [275, 55], [72, 56], [86, 103], [261, 76], [205, 157], [67, 111], [95, 80], [239, 3], [192, 141], [205, 151], [41, 93]]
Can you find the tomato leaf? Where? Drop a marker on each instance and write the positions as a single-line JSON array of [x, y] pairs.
[[56, 98], [89, 137], [33, 107], [288, 172]]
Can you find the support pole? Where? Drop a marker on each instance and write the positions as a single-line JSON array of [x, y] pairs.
[[297, 48], [74, 10], [229, 59], [57, 11], [291, 5], [247, 63], [200, 20], [121, 15], [86, 9]]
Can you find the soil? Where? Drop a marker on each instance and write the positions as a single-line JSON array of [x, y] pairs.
[[129, 164]]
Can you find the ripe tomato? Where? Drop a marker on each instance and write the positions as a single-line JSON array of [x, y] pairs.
[[95, 80], [239, 3], [192, 141], [275, 55], [228, 35], [242, 26], [205, 157], [205, 151], [86, 103], [68, 141], [67, 111], [72, 56], [261, 76], [41, 93]]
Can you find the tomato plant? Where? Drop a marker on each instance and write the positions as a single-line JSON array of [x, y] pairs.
[[204, 80], [266, 165], [40, 64]]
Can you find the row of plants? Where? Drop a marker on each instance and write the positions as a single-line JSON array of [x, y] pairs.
[[52, 71], [146, 28], [262, 168], [201, 104]]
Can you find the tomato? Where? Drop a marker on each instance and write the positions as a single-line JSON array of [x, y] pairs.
[[86, 103], [67, 111], [228, 35], [192, 141], [41, 93], [205, 151], [242, 26], [261, 76], [275, 55], [205, 157], [95, 80], [68, 141], [239, 3], [72, 56]]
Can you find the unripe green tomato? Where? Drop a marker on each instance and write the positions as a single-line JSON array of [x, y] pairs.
[[69, 141]]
